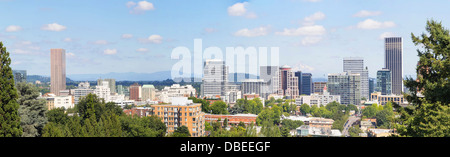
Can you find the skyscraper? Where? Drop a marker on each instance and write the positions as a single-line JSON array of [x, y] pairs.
[[298, 74], [270, 75], [288, 85], [215, 78], [356, 65], [384, 82], [307, 84], [58, 70], [393, 60], [347, 85], [371, 85]]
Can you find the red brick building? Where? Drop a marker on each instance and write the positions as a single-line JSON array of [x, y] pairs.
[[232, 119]]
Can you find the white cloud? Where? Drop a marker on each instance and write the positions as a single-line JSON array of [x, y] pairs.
[[304, 31], [70, 55], [309, 20], [142, 50], [237, 9], [13, 28], [260, 31], [101, 42], [310, 40], [67, 39], [53, 27], [372, 24], [386, 34], [127, 36], [365, 13], [157, 39], [110, 51], [140, 7], [130, 4]]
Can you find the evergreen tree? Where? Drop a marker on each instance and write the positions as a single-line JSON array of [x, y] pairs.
[[430, 92], [9, 117], [32, 110]]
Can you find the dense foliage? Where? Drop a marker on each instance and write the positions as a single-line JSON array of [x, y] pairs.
[[94, 118], [32, 110], [430, 92], [9, 117]]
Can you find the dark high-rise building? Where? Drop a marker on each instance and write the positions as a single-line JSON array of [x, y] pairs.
[[307, 84], [393, 60], [58, 70], [384, 81], [371, 85], [298, 74]]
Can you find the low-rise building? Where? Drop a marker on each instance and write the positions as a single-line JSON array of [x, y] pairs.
[[380, 132], [232, 119], [318, 99], [384, 99], [181, 112], [307, 130], [176, 90], [365, 124], [54, 101], [139, 111]]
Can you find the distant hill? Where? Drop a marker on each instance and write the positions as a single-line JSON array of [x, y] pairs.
[[43, 79], [131, 76]]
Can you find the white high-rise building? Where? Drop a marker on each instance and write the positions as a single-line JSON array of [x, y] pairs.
[[215, 78], [103, 91], [270, 75], [356, 66], [82, 90]]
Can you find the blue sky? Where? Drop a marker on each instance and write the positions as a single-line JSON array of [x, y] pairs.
[[314, 36]]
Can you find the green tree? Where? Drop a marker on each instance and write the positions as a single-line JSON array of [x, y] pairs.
[[219, 107], [150, 126], [369, 111], [269, 129], [354, 131], [291, 124], [182, 131], [32, 110], [430, 113], [9, 117], [305, 108]]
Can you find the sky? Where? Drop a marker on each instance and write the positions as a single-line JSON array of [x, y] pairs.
[[313, 36]]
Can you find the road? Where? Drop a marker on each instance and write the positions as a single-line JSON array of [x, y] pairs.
[[348, 124]]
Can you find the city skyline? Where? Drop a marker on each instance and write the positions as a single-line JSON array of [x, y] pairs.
[[313, 37]]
